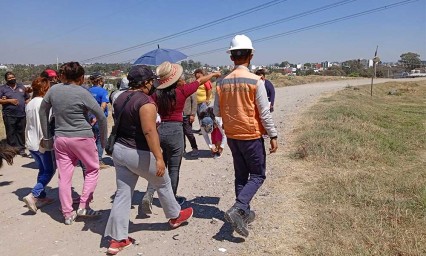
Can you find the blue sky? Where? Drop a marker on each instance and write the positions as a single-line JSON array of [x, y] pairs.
[[40, 31]]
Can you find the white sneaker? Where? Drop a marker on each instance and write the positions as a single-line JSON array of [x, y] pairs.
[[31, 201]]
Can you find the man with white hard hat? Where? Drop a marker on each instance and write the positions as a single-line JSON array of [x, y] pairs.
[[242, 102]]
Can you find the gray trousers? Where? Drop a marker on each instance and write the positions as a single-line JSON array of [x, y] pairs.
[[130, 164]]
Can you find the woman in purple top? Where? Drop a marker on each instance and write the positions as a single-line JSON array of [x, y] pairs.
[[137, 153], [170, 98]]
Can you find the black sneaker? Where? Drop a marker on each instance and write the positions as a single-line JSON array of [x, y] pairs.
[[237, 218]]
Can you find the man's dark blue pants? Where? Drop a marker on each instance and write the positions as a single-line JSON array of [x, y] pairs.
[[250, 167]]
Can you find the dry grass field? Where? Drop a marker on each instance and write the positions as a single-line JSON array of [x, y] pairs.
[[370, 152], [280, 80]]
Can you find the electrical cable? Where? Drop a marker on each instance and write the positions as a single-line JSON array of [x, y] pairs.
[[315, 25], [299, 15], [190, 30]]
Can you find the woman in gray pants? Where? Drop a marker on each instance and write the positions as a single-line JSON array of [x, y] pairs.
[[137, 153]]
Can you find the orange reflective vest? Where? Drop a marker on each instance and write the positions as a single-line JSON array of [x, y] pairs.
[[237, 95]]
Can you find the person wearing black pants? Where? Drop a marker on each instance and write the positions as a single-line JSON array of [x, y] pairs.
[[189, 110], [14, 97]]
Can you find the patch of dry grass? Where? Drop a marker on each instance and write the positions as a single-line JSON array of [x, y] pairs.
[[371, 199], [280, 80]]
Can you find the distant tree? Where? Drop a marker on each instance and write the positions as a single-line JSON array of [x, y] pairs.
[[410, 60], [353, 67], [334, 71], [308, 65], [309, 72], [284, 64], [190, 65]]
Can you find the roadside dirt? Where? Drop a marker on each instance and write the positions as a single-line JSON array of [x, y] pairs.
[[207, 184]]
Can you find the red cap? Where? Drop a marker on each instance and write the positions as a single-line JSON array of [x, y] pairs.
[[51, 72]]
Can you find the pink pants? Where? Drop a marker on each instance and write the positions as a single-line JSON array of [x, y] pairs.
[[68, 151]]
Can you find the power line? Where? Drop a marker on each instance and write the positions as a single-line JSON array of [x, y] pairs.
[[190, 30], [315, 25], [299, 15]]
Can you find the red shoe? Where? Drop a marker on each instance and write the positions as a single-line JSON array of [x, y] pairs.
[[184, 216], [116, 246]]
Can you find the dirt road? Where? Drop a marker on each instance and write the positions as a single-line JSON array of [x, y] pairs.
[[205, 182]]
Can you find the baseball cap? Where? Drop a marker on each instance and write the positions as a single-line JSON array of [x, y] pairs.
[[139, 74], [51, 73], [95, 75], [207, 124]]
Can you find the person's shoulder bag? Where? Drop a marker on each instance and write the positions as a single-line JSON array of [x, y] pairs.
[[109, 148]]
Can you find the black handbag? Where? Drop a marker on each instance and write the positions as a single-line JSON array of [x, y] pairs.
[[109, 147]]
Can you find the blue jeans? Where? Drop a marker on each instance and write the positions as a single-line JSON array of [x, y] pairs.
[[171, 142], [250, 167], [46, 170], [96, 132]]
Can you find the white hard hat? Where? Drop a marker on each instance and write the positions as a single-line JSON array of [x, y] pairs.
[[240, 42]]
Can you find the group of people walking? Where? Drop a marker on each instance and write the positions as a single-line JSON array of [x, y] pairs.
[[144, 147]]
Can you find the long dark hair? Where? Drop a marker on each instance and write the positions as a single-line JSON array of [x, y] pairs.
[[72, 71], [7, 153], [166, 100]]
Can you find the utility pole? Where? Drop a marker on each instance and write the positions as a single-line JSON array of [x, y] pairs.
[[375, 61], [57, 63]]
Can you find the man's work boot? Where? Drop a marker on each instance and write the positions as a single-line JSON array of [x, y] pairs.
[[237, 218]]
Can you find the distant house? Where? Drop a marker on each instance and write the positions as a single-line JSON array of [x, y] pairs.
[[3, 67], [325, 64], [116, 73]]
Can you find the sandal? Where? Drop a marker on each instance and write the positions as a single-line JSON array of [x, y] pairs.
[[88, 213]]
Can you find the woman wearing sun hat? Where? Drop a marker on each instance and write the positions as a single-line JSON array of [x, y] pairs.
[[170, 98]]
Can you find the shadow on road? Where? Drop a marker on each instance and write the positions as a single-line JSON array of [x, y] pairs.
[[31, 165], [202, 153], [5, 183]]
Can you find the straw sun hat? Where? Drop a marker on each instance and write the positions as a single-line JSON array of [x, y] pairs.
[[168, 73]]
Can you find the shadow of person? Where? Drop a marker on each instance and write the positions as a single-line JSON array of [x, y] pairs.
[[108, 161], [5, 183], [97, 225], [202, 153], [31, 165], [226, 233], [53, 209], [205, 207]]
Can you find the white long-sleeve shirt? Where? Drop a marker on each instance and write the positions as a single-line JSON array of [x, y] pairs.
[[33, 132]]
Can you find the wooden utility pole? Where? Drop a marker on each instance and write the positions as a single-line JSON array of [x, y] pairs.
[[375, 60]]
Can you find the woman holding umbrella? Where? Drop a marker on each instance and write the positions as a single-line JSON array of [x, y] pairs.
[[170, 98]]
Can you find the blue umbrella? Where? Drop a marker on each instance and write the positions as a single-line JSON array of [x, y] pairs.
[[160, 55]]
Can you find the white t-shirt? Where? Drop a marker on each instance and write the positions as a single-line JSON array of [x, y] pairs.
[[33, 133]]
